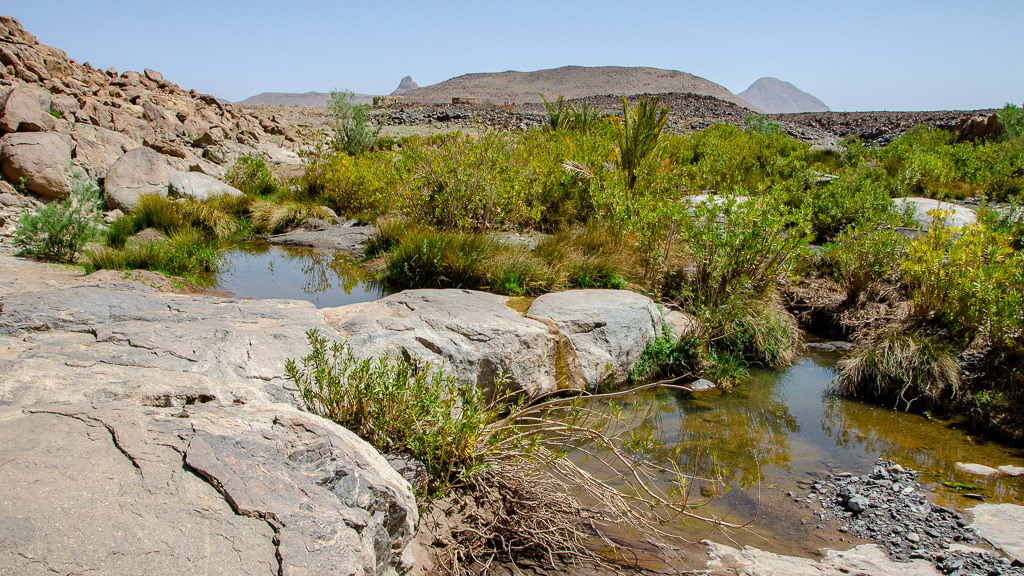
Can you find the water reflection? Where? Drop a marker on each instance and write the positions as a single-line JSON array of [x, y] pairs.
[[780, 431], [328, 279]]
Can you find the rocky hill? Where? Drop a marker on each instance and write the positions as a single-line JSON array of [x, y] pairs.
[[58, 116], [406, 85], [312, 99], [776, 96], [569, 81]]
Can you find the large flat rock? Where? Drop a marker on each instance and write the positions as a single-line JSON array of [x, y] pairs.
[[1001, 525], [866, 559], [925, 210], [474, 334], [127, 342], [117, 489]]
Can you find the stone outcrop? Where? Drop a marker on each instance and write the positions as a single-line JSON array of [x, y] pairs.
[[569, 340], [41, 160], [139, 171], [42, 90], [864, 559], [1001, 525], [922, 209], [182, 404]]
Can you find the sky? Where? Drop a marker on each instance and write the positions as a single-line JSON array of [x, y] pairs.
[[851, 54]]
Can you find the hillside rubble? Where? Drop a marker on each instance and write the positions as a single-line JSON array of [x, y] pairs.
[[58, 116]]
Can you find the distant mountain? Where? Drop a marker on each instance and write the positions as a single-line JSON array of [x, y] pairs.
[[313, 99], [569, 81], [775, 96], [407, 84]]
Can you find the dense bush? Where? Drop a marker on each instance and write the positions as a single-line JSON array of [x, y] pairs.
[[251, 175], [354, 131], [58, 231]]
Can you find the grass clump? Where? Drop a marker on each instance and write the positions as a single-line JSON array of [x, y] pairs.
[[58, 231], [188, 254], [429, 259], [903, 366]]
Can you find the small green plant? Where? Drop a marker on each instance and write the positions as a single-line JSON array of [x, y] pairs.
[[585, 118], [429, 259], [251, 175], [58, 231], [761, 125], [666, 356], [354, 131], [56, 114], [396, 405], [638, 133]]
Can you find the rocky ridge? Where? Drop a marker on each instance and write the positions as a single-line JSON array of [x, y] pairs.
[[58, 116]]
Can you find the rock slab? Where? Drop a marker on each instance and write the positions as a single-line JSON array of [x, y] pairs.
[[1001, 525], [42, 160]]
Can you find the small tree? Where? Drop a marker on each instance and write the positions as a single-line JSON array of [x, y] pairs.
[[638, 133], [1012, 119], [354, 131]]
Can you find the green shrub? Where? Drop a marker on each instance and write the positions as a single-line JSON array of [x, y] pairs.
[[586, 118], [666, 356], [761, 125], [970, 281], [397, 406], [354, 132], [861, 256], [58, 231], [858, 196], [1011, 118], [902, 367], [763, 332], [251, 175]]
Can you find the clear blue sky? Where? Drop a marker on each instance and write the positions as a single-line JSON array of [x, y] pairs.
[[852, 54]]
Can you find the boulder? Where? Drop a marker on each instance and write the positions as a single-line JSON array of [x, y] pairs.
[[1010, 470], [153, 75], [973, 128], [67, 106], [475, 335], [248, 490], [97, 148], [922, 211], [603, 332], [198, 186], [1001, 524], [137, 172], [131, 343], [39, 159], [26, 110]]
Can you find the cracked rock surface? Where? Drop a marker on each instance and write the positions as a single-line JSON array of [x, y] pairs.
[[151, 433]]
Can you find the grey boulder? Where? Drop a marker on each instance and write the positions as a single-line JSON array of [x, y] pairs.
[[198, 186], [42, 160], [347, 238], [137, 172], [603, 332], [474, 335], [923, 212]]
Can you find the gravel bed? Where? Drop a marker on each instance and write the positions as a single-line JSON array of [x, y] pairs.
[[888, 507]]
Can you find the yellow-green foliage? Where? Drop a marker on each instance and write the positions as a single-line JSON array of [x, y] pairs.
[[970, 280]]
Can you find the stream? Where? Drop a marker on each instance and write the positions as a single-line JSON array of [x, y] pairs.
[[768, 440]]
